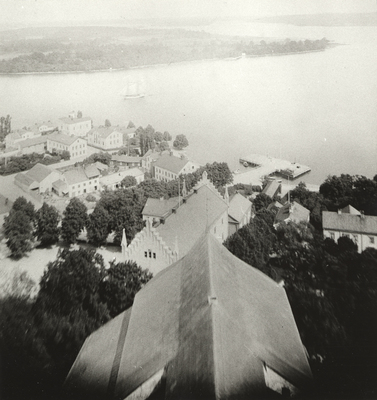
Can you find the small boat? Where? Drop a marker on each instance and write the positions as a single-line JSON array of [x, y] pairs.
[[134, 90]]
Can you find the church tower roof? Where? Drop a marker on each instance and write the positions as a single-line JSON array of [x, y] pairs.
[[208, 327]]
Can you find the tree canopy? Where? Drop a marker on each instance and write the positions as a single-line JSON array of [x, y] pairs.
[[180, 142], [19, 227], [47, 221], [74, 220]]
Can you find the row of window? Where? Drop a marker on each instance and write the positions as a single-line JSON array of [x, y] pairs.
[[84, 184], [83, 191], [149, 252], [354, 237]]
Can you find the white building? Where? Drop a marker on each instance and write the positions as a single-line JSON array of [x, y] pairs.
[[60, 142], [105, 138], [351, 223], [75, 126]]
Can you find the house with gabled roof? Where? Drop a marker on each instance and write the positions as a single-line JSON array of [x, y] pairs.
[[59, 142], [81, 180], [124, 160], [156, 210], [36, 144], [239, 213], [292, 212], [39, 178], [272, 188], [168, 167], [351, 223], [160, 244], [105, 138], [209, 326]]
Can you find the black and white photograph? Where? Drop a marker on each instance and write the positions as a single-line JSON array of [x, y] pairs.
[[188, 199]]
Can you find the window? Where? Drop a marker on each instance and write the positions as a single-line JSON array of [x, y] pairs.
[[150, 254], [332, 235], [78, 185], [73, 186], [154, 255], [145, 254], [371, 239], [355, 238]]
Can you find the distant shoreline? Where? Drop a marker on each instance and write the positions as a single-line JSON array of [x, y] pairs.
[[162, 64]]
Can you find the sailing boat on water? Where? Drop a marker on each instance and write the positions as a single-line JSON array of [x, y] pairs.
[[134, 89]]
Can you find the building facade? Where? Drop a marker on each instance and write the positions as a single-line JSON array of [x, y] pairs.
[[59, 142], [161, 243], [168, 167], [351, 223], [75, 126], [105, 138]]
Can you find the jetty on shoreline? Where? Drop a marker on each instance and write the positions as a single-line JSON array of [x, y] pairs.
[[255, 167]]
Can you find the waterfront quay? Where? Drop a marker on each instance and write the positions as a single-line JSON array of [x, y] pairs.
[[255, 167]]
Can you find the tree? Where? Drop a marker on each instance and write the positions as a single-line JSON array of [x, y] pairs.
[[21, 204], [18, 230], [124, 207], [123, 281], [219, 173], [71, 283], [65, 155], [130, 125], [97, 226], [47, 220], [103, 157], [261, 201], [158, 137], [163, 146], [337, 191], [167, 136], [107, 123], [79, 114], [128, 181], [180, 142], [74, 220]]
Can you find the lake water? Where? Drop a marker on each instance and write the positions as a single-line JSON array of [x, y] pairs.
[[318, 109]]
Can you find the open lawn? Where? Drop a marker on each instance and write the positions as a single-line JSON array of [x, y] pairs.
[[35, 263]]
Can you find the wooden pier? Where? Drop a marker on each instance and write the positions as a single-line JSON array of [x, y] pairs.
[[255, 167]]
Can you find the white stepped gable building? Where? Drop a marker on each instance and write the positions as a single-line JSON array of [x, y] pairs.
[[170, 234]]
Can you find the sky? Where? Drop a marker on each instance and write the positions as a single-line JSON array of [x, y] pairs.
[[48, 11]]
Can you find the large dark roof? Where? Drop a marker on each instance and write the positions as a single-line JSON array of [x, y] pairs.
[[210, 321], [171, 163], [349, 222]]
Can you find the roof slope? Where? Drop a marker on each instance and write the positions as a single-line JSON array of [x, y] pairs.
[[349, 222], [238, 206], [271, 188], [62, 138], [159, 207], [190, 220], [103, 131], [209, 320], [39, 172], [76, 175], [171, 163], [295, 211]]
